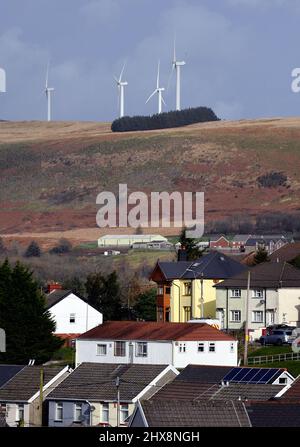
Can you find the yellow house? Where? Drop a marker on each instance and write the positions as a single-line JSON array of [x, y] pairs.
[[185, 289]]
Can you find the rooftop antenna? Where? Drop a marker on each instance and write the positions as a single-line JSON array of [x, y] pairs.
[[121, 85], [48, 91], [158, 90]]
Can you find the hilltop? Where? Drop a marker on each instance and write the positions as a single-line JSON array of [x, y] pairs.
[[52, 172]]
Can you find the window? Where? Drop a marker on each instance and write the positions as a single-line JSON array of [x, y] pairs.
[[187, 313], [124, 413], [187, 288], [59, 411], [120, 348], [20, 413], [168, 290], [258, 293], [105, 413], [231, 348], [77, 412], [141, 349], [160, 314], [212, 347], [282, 380], [235, 316], [257, 316], [236, 293], [200, 347], [182, 347], [160, 290], [72, 318], [101, 349]]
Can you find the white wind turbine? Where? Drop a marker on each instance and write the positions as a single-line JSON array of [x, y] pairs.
[[48, 91], [177, 66], [2, 81], [159, 91], [121, 85]]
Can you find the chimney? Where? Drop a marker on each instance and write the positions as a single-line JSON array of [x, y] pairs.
[[182, 254], [53, 286]]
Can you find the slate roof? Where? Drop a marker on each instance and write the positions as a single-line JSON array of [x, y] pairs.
[[7, 372], [185, 390], [160, 413], [96, 381], [137, 330], [26, 383], [243, 391], [286, 253], [203, 374], [274, 414], [214, 265], [57, 295], [268, 274]]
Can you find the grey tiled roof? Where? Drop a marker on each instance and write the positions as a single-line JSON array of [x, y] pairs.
[[274, 414], [7, 372], [244, 391], [203, 374], [184, 390], [26, 383], [97, 381], [160, 413]]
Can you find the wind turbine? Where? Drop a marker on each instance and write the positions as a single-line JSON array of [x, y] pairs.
[[48, 91], [2, 81], [159, 91], [177, 66], [121, 85]]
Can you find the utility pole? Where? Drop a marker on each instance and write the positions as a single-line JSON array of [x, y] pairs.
[[118, 400], [41, 394], [246, 322]]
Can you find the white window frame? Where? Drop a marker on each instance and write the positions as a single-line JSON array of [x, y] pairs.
[[141, 349], [77, 412], [123, 344], [236, 293], [254, 314], [105, 411], [232, 316], [258, 294], [59, 408], [20, 410], [72, 317], [210, 345], [124, 413], [202, 345], [182, 347], [99, 346]]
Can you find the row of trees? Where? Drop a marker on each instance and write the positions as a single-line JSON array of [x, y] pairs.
[[164, 120]]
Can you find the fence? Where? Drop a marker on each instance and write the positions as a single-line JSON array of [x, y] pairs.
[[273, 358]]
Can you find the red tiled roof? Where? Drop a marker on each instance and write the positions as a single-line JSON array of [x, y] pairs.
[[293, 393], [136, 330]]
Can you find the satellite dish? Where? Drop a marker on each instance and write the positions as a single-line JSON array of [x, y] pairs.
[[296, 345], [2, 81]]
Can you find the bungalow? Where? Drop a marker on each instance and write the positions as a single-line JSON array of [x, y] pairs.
[[72, 313], [274, 297], [20, 391], [151, 343], [101, 394], [185, 289]]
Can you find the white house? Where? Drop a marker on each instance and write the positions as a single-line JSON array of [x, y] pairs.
[[152, 343], [72, 313]]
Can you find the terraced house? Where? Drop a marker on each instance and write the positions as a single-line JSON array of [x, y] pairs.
[[185, 289]]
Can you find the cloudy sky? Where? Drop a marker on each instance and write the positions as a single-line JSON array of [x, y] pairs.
[[239, 55]]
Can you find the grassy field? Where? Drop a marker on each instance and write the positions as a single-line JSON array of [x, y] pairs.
[[269, 350], [293, 367]]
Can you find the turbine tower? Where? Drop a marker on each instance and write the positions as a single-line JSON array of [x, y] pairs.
[[121, 85], [48, 91], [2, 81], [159, 91], [177, 65]]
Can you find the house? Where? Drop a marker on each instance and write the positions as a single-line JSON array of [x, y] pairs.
[[287, 253], [185, 289], [127, 240], [165, 413], [89, 395], [72, 313], [239, 241], [274, 297], [152, 343], [20, 395], [270, 243], [219, 242]]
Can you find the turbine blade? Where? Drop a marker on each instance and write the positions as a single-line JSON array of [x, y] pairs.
[[120, 79], [152, 94], [116, 79], [163, 100], [157, 79], [174, 48], [47, 74], [170, 77]]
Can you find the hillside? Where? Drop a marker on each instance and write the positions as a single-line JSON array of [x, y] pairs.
[[52, 172]]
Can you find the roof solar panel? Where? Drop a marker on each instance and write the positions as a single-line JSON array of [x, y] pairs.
[[251, 375], [239, 377], [231, 374], [251, 372]]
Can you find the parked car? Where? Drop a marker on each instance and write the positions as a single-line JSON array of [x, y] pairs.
[[278, 337]]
